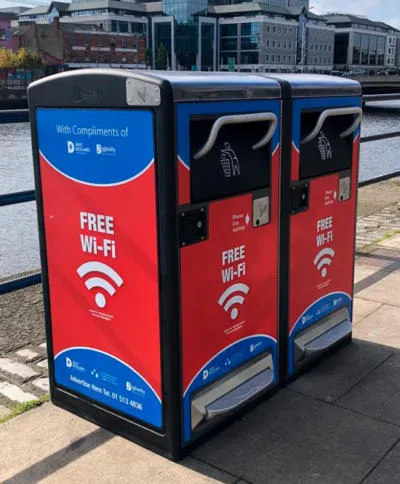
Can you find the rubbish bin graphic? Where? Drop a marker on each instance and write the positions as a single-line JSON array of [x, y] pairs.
[[158, 214], [320, 154]]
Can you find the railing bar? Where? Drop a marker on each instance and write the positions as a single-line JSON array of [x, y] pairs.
[[378, 179], [20, 283], [17, 197], [377, 137]]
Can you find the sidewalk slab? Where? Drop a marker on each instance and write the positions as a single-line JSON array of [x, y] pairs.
[[296, 439], [378, 395], [340, 371], [53, 446], [388, 471], [362, 308], [383, 288], [392, 243], [382, 258], [382, 327]]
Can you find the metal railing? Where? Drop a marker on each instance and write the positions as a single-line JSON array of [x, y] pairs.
[[29, 196]]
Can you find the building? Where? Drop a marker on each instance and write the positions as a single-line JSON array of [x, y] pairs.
[[80, 45], [362, 43], [266, 35], [258, 38], [6, 20]]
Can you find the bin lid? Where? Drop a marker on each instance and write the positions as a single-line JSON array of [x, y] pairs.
[[206, 86], [316, 85], [142, 87]]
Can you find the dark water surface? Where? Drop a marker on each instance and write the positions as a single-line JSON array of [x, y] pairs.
[[18, 232]]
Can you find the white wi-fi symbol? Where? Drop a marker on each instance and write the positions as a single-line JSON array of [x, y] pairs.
[[323, 259], [228, 300], [100, 282]]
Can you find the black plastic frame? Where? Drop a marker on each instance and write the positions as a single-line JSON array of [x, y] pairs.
[[284, 238], [60, 93]]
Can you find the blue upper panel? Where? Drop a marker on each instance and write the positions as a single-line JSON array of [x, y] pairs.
[[96, 147]]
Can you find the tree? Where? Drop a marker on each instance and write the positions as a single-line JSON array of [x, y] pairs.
[[8, 59], [148, 57], [161, 57]]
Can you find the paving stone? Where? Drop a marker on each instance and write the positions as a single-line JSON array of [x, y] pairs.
[[383, 258], [4, 411], [42, 384], [27, 354], [339, 372], [43, 345], [14, 393], [16, 368], [388, 471], [43, 364], [378, 395], [363, 271], [362, 308], [296, 439], [392, 243], [383, 288], [382, 327]]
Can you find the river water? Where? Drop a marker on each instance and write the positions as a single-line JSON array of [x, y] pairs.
[[18, 232]]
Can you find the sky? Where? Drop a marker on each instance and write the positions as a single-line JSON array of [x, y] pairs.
[[384, 10]]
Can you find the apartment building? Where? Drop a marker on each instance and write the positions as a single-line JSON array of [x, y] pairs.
[[362, 43]]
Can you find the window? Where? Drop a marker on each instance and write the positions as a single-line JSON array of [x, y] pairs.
[[228, 43], [249, 58], [228, 30]]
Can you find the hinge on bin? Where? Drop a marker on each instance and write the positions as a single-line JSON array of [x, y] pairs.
[[299, 197], [193, 226]]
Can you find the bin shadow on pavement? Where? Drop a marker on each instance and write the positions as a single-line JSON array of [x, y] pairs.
[[337, 423], [340, 422], [333, 424]]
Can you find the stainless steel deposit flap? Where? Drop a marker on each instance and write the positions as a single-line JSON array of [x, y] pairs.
[[324, 334], [230, 392]]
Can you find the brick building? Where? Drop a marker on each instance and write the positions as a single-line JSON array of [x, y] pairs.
[[81, 45], [6, 19]]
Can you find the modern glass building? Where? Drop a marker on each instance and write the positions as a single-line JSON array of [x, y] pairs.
[[362, 43], [253, 36]]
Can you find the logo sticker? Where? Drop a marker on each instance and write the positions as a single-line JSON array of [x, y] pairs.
[[324, 146], [229, 161]]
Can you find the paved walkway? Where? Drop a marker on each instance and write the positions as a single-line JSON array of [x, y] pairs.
[[339, 423]]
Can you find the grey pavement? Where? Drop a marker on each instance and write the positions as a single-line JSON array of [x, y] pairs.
[[338, 423]]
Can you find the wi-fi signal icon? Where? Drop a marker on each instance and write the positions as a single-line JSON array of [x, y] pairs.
[[100, 282], [324, 259], [229, 300]]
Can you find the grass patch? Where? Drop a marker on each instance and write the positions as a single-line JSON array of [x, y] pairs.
[[24, 407]]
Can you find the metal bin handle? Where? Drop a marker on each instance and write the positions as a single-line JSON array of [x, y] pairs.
[[239, 119], [335, 112]]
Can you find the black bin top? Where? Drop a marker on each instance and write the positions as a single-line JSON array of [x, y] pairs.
[[123, 87], [315, 85]]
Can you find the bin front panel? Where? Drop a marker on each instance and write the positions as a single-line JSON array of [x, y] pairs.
[[218, 337], [322, 237], [99, 205]]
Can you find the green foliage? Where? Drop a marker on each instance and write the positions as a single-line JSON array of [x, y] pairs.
[[24, 407], [148, 56], [162, 57], [22, 59]]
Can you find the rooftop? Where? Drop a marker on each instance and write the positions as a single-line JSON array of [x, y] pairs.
[[338, 18]]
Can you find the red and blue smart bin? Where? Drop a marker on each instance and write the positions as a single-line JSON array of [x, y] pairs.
[[158, 205], [320, 153]]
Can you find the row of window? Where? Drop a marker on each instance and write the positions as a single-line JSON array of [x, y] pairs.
[[252, 28], [253, 58], [326, 48], [320, 60], [368, 49]]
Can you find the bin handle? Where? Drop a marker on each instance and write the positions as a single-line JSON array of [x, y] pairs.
[[335, 112], [239, 119]]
